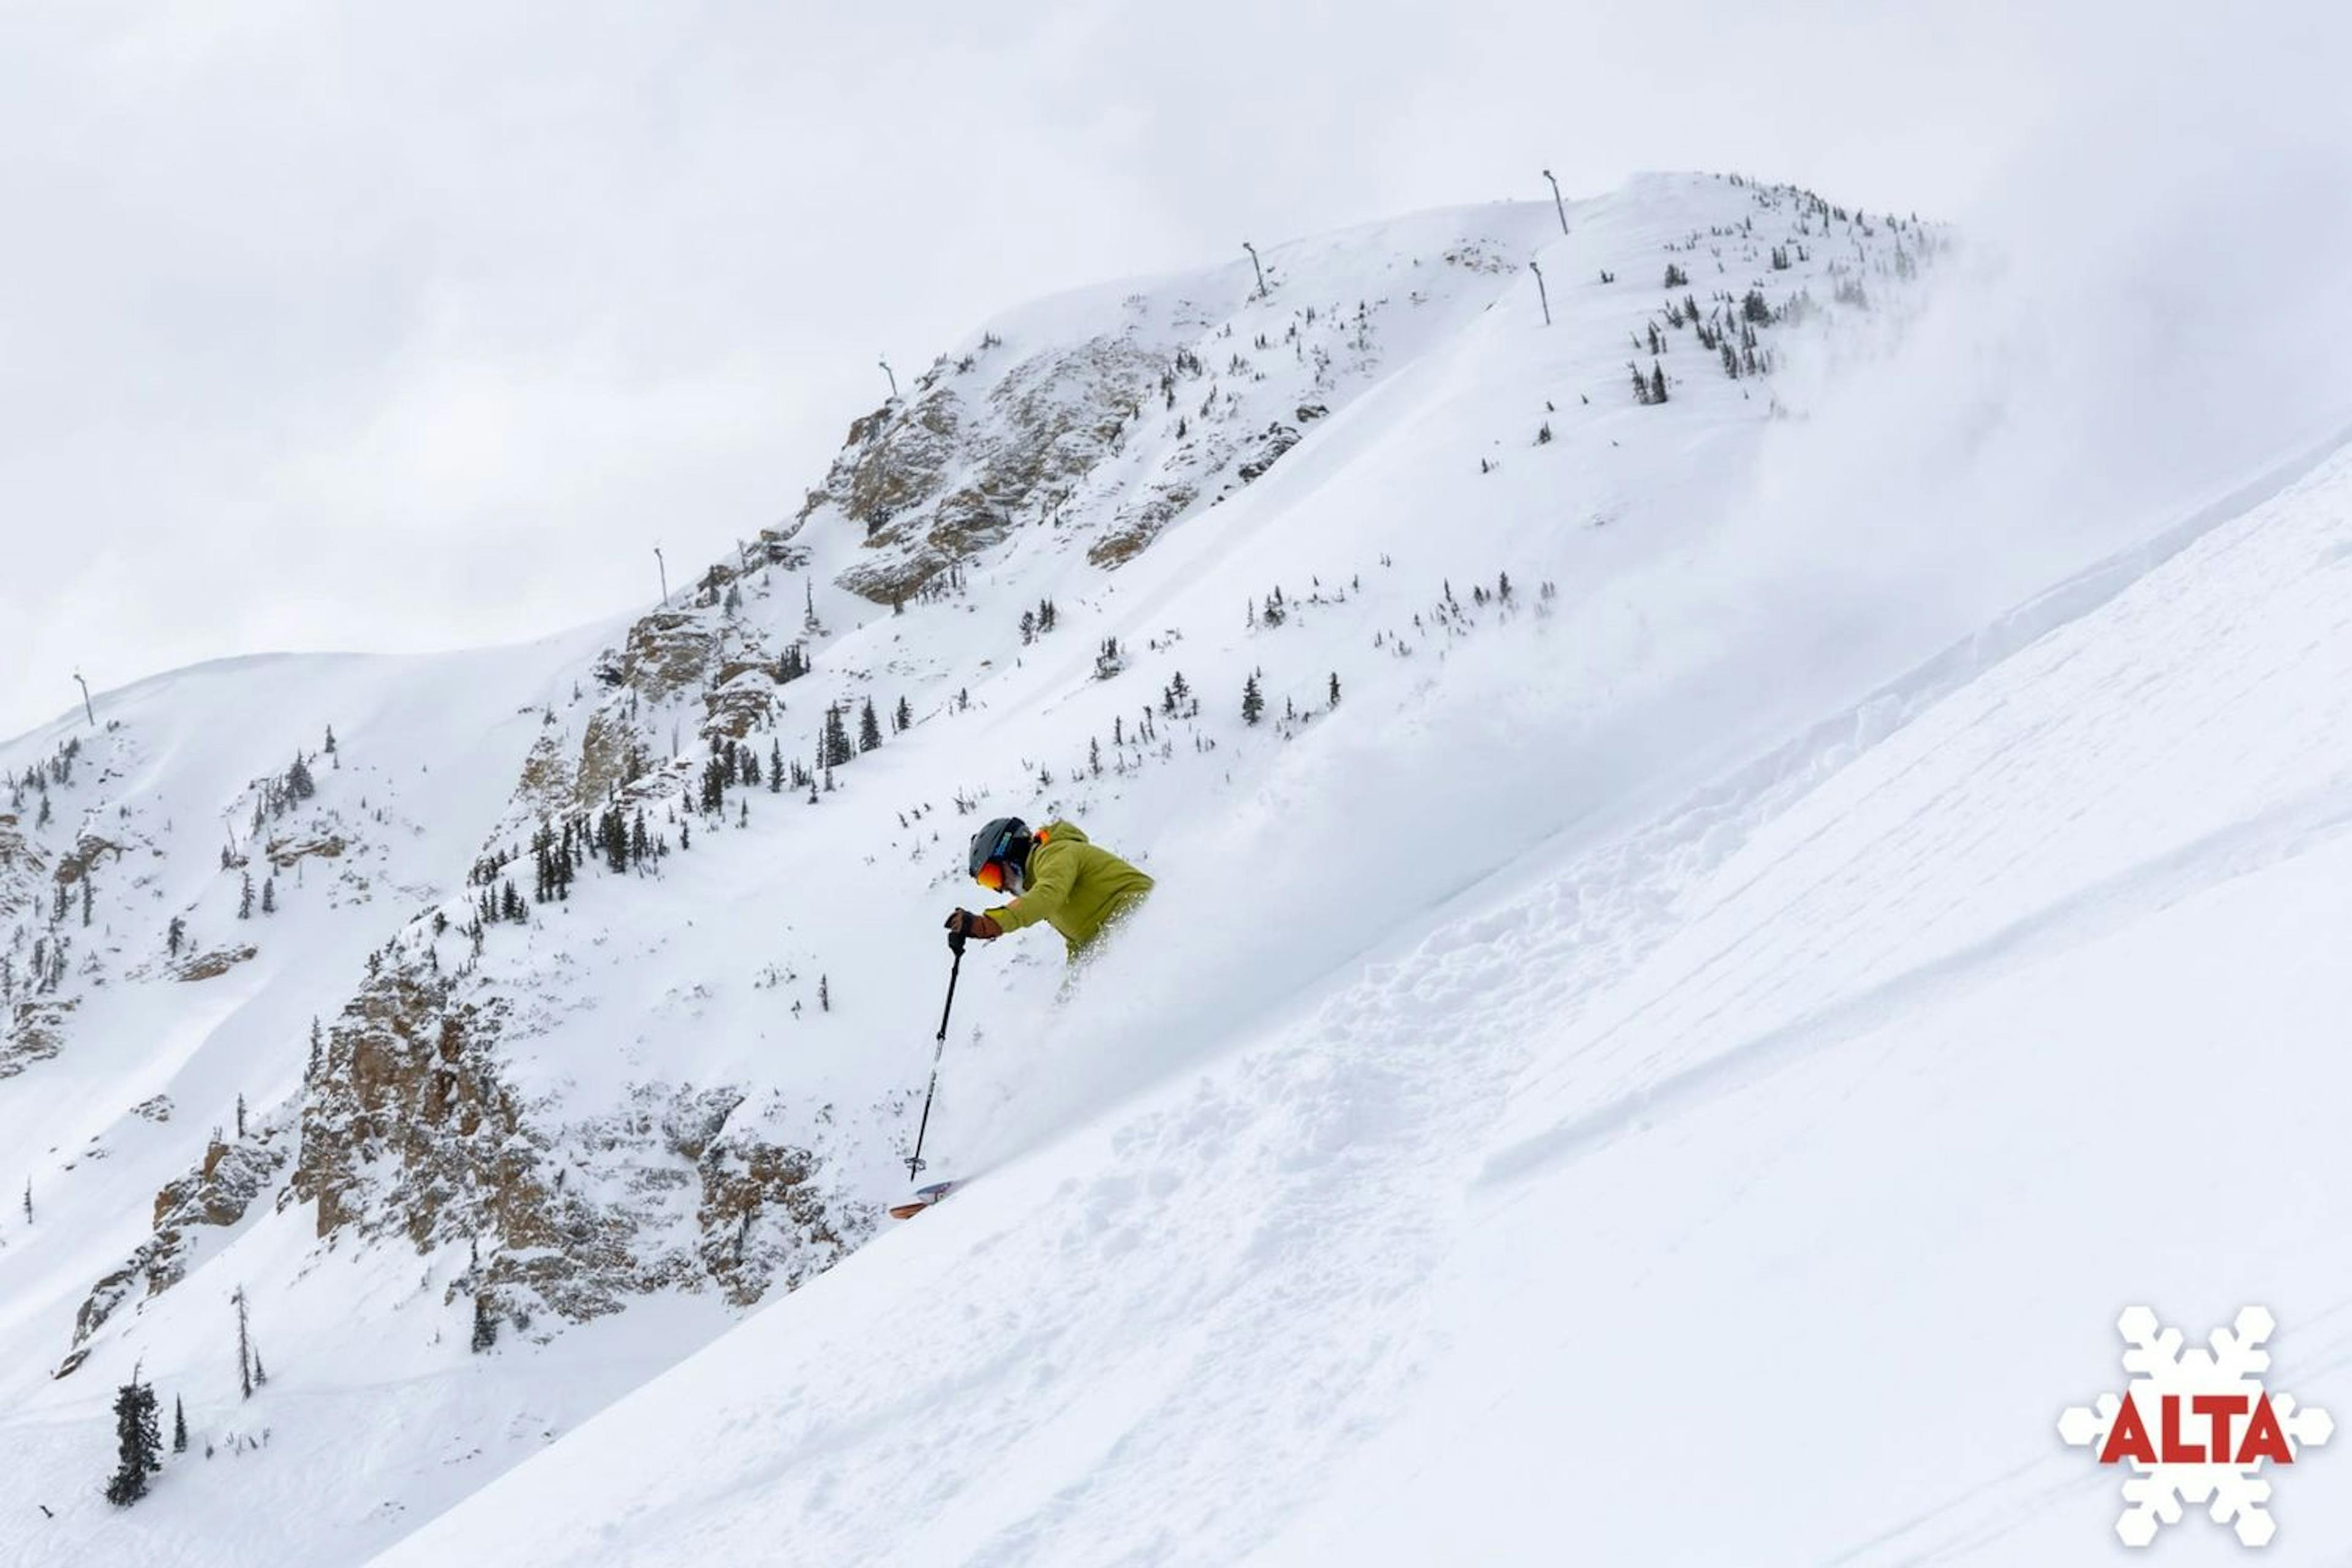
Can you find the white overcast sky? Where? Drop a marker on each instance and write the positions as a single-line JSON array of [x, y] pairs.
[[403, 327]]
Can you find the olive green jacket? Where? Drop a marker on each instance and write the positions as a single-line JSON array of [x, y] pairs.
[[1076, 888]]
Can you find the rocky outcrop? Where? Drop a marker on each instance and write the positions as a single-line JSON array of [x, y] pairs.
[[936, 481], [32, 1033], [217, 1192], [211, 964], [83, 858], [284, 853], [22, 868], [407, 1130]]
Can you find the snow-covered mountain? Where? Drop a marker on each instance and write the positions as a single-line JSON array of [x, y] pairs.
[[1624, 921]]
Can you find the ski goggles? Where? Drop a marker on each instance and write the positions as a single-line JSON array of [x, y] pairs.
[[990, 876]]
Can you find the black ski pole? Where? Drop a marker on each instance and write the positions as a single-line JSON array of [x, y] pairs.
[[938, 1050]]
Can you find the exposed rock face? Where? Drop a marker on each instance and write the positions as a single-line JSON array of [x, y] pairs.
[[22, 868], [611, 756], [403, 1086], [548, 779], [88, 851], [218, 1193], [407, 1130], [740, 703], [936, 481], [1279, 439], [32, 1032], [211, 964], [669, 651], [283, 853]]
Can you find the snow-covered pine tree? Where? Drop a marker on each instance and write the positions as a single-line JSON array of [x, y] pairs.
[[870, 727], [1253, 701], [139, 1445], [179, 1408]]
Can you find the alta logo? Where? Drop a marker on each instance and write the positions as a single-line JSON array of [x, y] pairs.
[[2195, 1426]]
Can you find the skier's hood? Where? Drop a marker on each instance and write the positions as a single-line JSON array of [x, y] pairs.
[[1068, 831]]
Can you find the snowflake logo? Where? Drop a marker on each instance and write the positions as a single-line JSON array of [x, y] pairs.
[[2196, 1425]]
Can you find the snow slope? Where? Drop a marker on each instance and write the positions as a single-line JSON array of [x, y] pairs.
[[1755, 1186], [1228, 1251]]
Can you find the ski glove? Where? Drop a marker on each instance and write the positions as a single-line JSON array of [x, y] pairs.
[[963, 922]]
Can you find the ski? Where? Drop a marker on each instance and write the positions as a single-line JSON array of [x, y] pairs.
[[924, 1197]]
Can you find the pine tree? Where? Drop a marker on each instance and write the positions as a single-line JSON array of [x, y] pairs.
[[904, 718], [330, 741], [244, 898], [176, 935], [486, 1322], [139, 1445], [1334, 688], [1253, 702], [240, 1114], [178, 1409], [823, 993], [243, 1347], [835, 748], [870, 727], [270, 895], [775, 767], [1657, 382], [299, 785]]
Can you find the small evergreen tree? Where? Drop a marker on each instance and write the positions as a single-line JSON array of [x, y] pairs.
[[176, 935], [1657, 382], [245, 1357], [178, 1409], [270, 895], [139, 1445], [1334, 688], [823, 993], [833, 748], [870, 727], [904, 718], [245, 897], [1253, 702]]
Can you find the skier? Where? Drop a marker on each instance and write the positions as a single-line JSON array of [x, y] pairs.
[[1054, 875]]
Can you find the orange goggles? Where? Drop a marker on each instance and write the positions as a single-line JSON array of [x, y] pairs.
[[990, 876]]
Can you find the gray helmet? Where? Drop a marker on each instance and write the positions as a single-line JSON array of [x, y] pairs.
[[1005, 844]]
